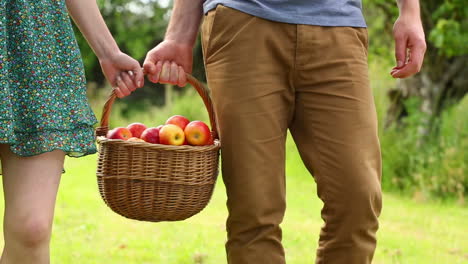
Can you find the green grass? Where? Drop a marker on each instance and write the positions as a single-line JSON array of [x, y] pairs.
[[86, 231]]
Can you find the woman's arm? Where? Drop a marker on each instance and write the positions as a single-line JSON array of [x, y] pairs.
[[122, 71]]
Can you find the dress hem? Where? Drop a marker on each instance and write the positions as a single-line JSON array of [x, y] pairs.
[[68, 152]]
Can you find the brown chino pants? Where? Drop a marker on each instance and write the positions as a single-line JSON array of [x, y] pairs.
[[267, 77]]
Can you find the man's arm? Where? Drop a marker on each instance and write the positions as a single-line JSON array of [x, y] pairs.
[[410, 43], [171, 59]]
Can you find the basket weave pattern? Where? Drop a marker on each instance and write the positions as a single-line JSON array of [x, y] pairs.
[[153, 182]]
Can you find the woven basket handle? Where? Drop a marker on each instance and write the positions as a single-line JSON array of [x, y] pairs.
[[201, 89]]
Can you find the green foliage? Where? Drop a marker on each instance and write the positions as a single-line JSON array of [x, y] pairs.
[[380, 37], [450, 33], [436, 168]]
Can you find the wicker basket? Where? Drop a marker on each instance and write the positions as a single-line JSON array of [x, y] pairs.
[[153, 182]]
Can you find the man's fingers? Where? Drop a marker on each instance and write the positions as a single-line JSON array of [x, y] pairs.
[[154, 78], [182, 78], [401, 45], [159, 67], [416, 57], [174, 76], [407, 70], [164, 77], [417, 54], [168, 72], [149, 66]]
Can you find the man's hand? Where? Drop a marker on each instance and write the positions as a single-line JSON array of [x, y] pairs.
[[168, 62], [410, 44]]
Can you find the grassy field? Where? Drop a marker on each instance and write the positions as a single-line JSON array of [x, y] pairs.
[[86, 231]]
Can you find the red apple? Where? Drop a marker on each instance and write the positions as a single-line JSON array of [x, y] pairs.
[[198, 133], [109, 132], [171, 135], [136, 129], [135, 139], [119, 133], [151, 135], [178, 120], [211, 141]]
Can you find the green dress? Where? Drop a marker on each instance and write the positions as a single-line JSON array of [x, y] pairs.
[[43, 103]]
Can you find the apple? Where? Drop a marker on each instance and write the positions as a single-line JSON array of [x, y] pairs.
[[135, 139], [171, 135], [119, 133], [178, 120], [211, 141], [198, 133], [151, 135], [136, 129]]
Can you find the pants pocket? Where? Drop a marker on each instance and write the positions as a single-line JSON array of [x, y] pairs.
[[221, 27]]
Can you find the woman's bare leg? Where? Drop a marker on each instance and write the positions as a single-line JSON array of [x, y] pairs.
[[30, 187]]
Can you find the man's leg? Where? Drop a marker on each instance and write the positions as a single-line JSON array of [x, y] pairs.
[[248, 67], [335, 128]]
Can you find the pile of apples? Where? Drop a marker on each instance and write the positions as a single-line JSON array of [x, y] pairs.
[[177, 131]]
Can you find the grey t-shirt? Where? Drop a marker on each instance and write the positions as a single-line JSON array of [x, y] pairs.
[[308, 12]]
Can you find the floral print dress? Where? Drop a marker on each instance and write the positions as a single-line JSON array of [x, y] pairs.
[[43, 104]]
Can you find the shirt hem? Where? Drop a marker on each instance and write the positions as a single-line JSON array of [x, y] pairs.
[[304, 20]]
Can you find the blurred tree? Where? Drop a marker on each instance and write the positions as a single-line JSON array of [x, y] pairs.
[[443, 80]]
